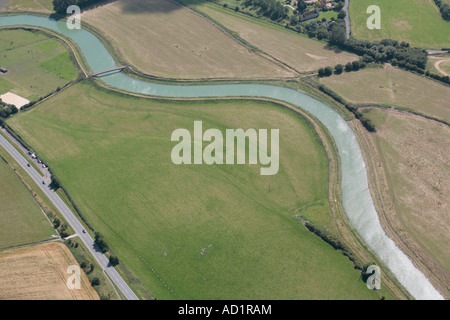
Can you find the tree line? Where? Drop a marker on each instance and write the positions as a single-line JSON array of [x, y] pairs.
[[60, 6], [444, 9]]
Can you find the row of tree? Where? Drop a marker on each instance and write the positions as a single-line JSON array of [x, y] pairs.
[[339, 68], [60, 6], [444, 9]]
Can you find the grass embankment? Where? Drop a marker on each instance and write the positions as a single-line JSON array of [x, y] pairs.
[[37, 64], [393, 87], [415, 21], [200, 231]]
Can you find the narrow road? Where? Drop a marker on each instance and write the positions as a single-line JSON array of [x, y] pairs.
[[71, 219], [346, 19]]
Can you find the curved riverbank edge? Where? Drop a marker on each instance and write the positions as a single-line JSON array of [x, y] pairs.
[[356, 197]]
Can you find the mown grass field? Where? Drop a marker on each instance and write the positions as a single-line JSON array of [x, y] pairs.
[[21, 219], [414, 153], [40, 273], [393, 87], [171, 41], [36, 63], [439, 64], [415, 21], [296, 50], [29, 5], [210, 232]]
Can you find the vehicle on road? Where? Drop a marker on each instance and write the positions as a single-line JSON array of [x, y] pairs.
[[28, 165], [43, 182]]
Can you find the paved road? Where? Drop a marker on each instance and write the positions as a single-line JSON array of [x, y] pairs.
[[346, 19], [71, 219]]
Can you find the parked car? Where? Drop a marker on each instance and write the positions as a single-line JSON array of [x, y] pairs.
[[43, 166], [43, 182]]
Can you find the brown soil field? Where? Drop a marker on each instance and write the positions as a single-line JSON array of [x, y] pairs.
[[409, 173], [40, 273], [171, 41]]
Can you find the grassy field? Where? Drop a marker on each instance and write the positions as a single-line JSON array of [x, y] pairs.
[[394, 87], [170, 40], [40, 273], [212, 232], [439, 65], [415, 21], [21, 219], [296, 50], [36, 64], [413, 152], [29, 5]]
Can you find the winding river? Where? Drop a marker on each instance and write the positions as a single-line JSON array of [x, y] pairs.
[[356, 196]]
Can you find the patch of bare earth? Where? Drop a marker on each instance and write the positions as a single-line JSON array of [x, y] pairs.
[[40, 273], [408, 161]]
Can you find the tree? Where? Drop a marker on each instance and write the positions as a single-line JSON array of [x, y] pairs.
[[328, 71], [338, 69], [341, 14], [321, 72], [95, 282], [100, 242], [348, 67], [114, 260], [301, 6], [337, 34]]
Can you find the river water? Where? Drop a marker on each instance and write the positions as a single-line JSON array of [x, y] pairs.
[[356, 197]]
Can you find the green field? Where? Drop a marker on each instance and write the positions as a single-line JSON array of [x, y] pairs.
[[415, 21], [36, 63], [21, 219], [392, 87], [211, 232], [29, 5]]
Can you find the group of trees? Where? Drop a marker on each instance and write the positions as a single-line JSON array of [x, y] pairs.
[[6, 110], [386, 50], [339, 68], [60, 6], [272, 9], [444, 9]]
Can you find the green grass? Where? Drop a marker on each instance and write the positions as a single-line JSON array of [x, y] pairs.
[[21, 219], [36, 63], [29, 5], [415, 21], [214, 232]]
